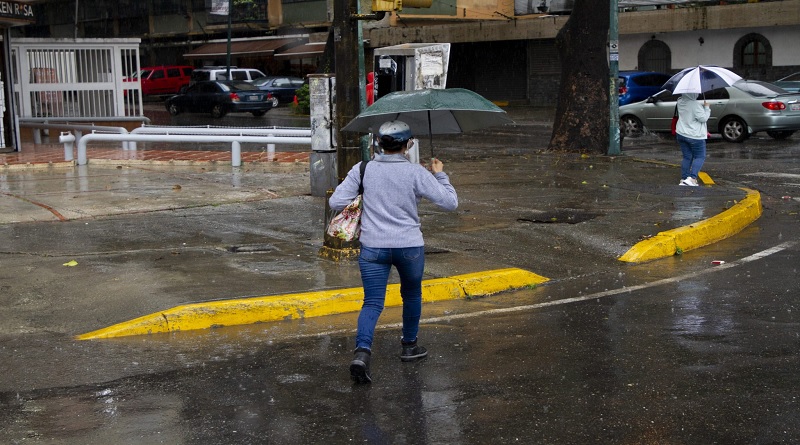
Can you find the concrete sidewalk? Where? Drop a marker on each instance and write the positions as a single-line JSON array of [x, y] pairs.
[[122, 247]]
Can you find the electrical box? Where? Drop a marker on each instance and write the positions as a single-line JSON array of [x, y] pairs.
[[410, 66], [322, 95]]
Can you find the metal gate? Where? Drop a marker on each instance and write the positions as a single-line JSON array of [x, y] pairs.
[[76, 78]]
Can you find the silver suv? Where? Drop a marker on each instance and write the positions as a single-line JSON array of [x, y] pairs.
[[221, 73]]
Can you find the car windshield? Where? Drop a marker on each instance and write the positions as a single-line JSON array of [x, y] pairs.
[[757, 88], [141, 74], [791, 78], [666, 96], [236, 85], [262, 81]]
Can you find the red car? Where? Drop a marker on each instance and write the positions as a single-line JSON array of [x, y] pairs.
[[167, 79]]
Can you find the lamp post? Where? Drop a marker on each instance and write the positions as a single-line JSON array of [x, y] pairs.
[[228, 60], [613, 97]]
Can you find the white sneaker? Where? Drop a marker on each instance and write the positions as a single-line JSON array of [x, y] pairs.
[[690, 182]]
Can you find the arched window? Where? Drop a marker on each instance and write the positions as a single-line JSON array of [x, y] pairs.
[[752, 55], [655, 55]]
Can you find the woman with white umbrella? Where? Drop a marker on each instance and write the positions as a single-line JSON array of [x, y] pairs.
[[692, 132], [691, 129]]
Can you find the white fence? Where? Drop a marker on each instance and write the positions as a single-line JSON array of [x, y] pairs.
[[76, 78]]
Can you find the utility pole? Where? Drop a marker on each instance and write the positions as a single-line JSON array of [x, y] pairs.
[[348, 54], [348, 96], [613, 97]]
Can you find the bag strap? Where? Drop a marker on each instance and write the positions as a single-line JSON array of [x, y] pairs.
[[361, 184], [675, 114]]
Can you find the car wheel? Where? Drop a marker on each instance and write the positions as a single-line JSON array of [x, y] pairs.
[[173, 109], [218, 111], [259, 113], [275, 102], [734, 129], [631, 126], [780, 135]]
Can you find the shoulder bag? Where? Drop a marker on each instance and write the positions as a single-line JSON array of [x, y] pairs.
[[347, 224], [674, 125]]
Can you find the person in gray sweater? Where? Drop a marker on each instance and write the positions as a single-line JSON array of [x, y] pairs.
[[391, 236]]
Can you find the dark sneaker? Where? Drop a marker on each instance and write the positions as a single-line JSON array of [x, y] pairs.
[[359, 367], [411, 351]]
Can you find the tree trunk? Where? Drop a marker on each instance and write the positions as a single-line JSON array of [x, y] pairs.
[[581, 119]]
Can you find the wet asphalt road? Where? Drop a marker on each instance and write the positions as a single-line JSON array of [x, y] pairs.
[[709, 358], [676, 351]]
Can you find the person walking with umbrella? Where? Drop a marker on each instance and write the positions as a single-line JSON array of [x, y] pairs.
[[691, 129], [692, 132], [391, 236]]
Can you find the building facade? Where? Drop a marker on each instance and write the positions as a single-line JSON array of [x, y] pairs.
[[502, 49]]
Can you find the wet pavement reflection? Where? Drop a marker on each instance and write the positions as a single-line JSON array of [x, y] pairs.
[[701, 359]]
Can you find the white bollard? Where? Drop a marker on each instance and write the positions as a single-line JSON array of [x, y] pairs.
[[270, 150], [68, 140], [236, 154]]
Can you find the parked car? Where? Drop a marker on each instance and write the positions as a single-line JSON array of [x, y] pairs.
[[166, 79], [747, 107], [221, 73], [219, 98], [790, 83], [635, 86], [282, 88]]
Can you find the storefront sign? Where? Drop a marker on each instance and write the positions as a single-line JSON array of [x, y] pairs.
[[16, 11]]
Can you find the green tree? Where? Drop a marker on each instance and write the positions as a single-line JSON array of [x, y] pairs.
[[581, 119]]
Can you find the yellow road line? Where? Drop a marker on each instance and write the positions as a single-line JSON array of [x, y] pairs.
[[309, 304]]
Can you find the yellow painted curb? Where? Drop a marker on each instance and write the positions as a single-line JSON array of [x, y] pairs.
[[703, 233], [705, 179], [309, 304]]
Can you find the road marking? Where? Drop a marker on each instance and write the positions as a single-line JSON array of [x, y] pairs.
[[529, 307], [773, 175]]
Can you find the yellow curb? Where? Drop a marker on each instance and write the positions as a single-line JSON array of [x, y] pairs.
[[705, 179], [703, 233], [309, 304]]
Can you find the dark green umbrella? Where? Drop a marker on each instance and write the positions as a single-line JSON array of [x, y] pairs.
[[431, 111]]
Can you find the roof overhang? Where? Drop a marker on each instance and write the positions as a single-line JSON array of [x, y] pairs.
[[304, 51], [261, 47]]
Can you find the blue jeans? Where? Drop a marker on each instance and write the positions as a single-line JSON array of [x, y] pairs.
[[375, 265], [694, 154]]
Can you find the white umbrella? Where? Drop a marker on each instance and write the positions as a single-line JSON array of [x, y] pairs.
[[701, 78]]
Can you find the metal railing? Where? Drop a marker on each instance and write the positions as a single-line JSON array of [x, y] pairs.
[[236, 150], [225, 131]]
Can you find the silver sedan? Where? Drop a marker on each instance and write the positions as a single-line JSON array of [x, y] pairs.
[[747, 107]]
